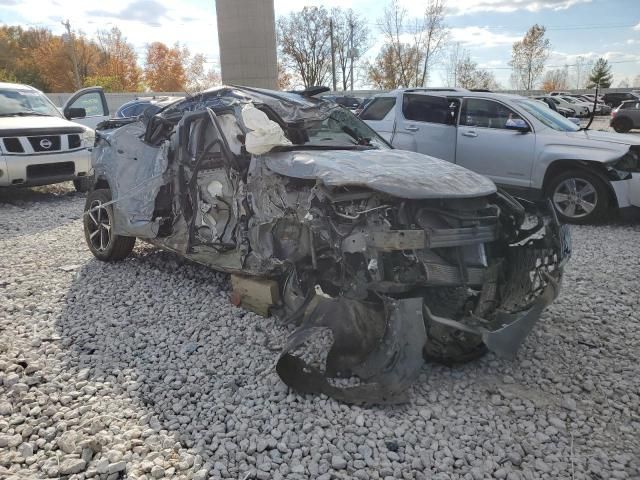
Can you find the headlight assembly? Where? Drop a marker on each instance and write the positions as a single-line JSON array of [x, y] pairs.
[[88, 137], [629, 162]]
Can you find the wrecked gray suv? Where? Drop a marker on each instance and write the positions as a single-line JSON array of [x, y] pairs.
[[381, 258]]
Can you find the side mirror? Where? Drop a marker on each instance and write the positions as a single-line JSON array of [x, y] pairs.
[[517, 124], [75, 112]]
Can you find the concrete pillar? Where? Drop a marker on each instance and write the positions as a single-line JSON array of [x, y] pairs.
[[247, 38]]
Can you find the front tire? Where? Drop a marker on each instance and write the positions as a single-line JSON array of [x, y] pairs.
[[98, 229], [579, 197]]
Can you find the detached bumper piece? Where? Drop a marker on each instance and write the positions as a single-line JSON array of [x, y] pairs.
[[380, 344]]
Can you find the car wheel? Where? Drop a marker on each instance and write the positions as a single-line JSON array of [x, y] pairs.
[[579, 196], [622, 125], [98, 229], [83, 184]]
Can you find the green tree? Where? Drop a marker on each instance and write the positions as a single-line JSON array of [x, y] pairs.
[[601, 74]]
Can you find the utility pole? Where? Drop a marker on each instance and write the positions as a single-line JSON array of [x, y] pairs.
[[333, 55], [74, 56], [351, 52]]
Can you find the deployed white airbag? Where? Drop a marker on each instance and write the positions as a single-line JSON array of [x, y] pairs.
[[264, 133]]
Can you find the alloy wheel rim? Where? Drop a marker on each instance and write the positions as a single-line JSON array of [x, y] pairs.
[[575, 197], [99, 226]]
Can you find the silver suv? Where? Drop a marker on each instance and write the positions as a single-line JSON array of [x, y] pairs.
[[519, 143]]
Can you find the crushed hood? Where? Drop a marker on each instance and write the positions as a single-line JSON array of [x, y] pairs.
[[395, 172]]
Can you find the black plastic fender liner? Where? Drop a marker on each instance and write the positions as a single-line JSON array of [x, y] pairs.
[[380, 343]]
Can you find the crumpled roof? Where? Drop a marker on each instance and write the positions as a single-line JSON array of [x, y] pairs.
[[396, 172], [291, 107]]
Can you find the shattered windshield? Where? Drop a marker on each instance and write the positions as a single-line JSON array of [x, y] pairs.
[[26, 102], [342, 128]]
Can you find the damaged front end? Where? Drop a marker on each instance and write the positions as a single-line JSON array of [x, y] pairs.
[[395, 280], [380, 258]]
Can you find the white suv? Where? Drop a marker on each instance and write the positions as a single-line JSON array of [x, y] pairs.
[[38, 145], [519, 143]]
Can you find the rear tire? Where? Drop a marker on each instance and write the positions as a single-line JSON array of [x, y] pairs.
[[579, 196], [98, 229], [622, 125]]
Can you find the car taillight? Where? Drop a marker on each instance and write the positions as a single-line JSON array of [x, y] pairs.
[[613, 113]]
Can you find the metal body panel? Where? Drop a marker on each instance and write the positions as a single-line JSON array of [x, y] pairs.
[[395, 172]]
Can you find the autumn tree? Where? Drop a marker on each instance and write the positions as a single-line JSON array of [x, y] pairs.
[[528, 57], [386, 71], [350, 41], [285, 79], [305, 45], [17, 59], [469, 75], [164, 69], [601, 74], [557, 79], [450, 64], [118, 62], [435, 35], [199, 78], [403, 56], [56, 64]]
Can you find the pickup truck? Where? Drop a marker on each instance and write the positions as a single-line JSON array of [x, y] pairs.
[[520, 144], [39, 144]]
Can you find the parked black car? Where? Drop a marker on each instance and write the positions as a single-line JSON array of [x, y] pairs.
[[352, 103], [615, 99], [137, 107]]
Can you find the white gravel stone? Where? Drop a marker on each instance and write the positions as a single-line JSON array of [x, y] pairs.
[[338, 462], [72, 465], [145, 364]]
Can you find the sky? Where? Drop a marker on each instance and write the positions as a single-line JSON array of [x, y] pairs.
[[486, 28]]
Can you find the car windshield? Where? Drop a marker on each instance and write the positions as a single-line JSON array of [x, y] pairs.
[[569, 99], [26, 102], [342, 128], [547, 116]]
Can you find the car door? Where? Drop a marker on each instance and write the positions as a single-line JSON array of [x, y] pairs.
[[135, 171], [426, 124], [487, 145], [94, 103]]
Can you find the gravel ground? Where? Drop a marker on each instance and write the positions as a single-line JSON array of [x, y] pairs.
[[143, 369]]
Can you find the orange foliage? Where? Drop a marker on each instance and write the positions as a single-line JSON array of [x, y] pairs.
[[118, 60], [164, 69]]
